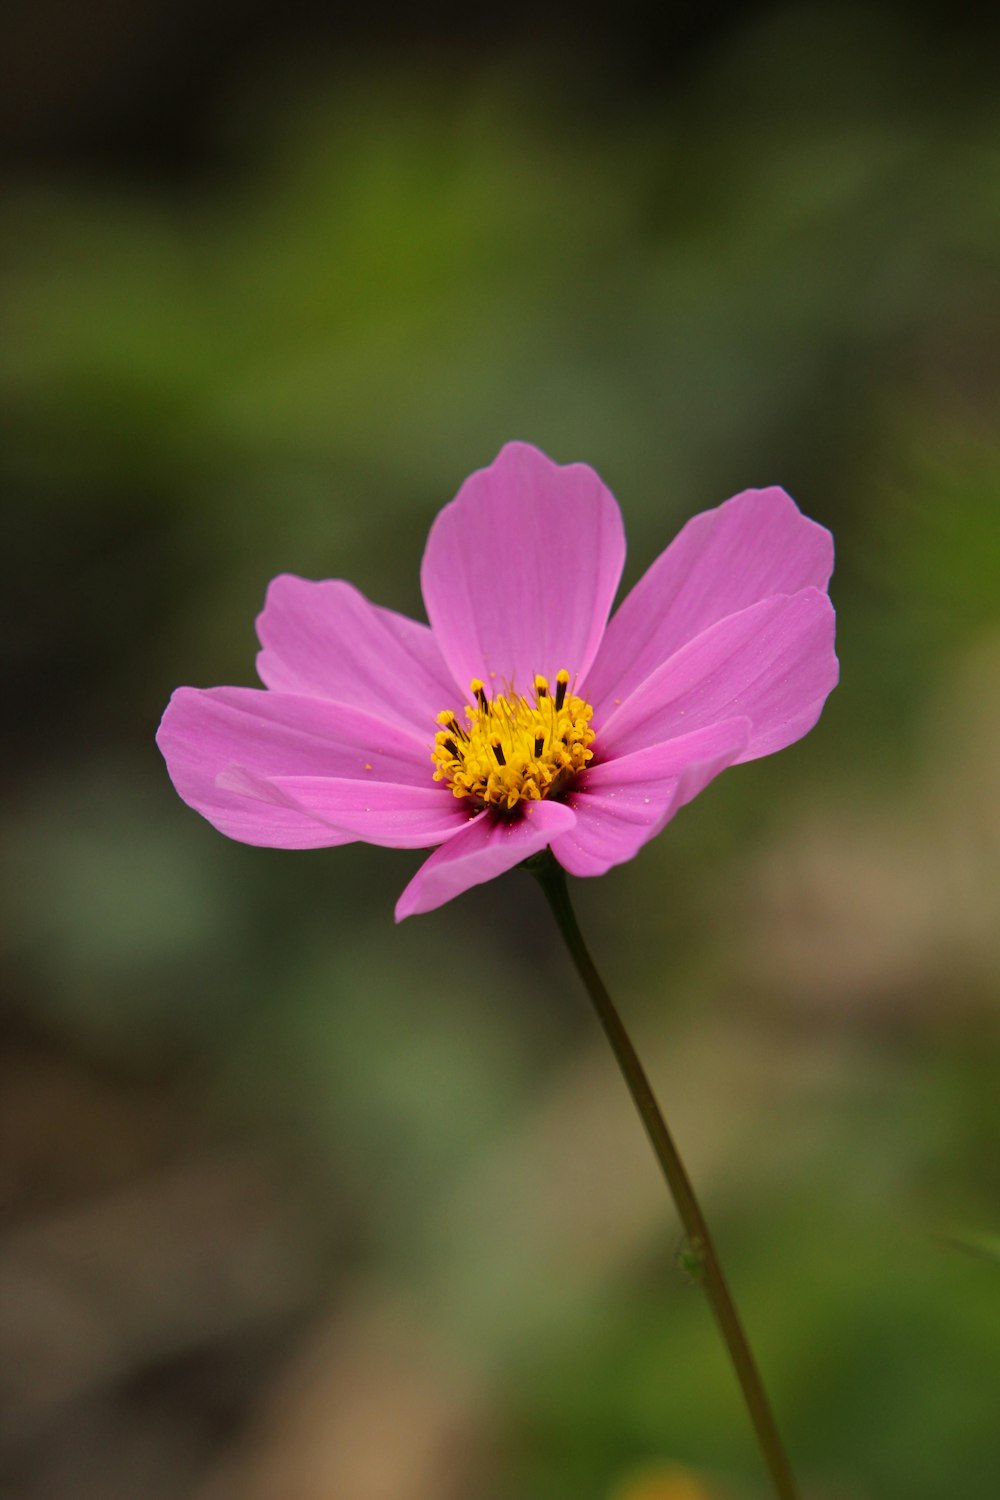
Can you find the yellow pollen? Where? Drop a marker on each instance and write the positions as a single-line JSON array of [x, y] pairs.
[[505, 750]]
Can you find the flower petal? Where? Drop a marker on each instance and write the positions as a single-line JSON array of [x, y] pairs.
[[378, 812], [773, 663], [754, 546], [326, 640], [488, 846], [224, 745], [521, 569], [623, 803]]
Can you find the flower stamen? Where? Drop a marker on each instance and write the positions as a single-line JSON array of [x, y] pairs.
[[510, 750]]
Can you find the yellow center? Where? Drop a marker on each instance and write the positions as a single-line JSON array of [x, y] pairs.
[[509, 750]]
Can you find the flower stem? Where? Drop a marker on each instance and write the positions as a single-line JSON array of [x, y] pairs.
[[705, 1261]]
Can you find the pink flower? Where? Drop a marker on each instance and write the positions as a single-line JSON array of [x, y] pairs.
[[521, 717]]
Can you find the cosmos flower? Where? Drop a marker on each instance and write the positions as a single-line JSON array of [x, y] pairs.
[[522, 717]]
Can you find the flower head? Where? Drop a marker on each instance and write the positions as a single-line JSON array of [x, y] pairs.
[[522, 717]]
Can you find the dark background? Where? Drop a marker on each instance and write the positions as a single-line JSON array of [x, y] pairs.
[[299, 1204]]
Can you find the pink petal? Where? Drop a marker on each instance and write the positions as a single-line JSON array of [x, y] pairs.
[[326, 640], [623, 803], [521, 570], [378, 812], [773, 663], [755, 545], [223, 745], [488, 846]]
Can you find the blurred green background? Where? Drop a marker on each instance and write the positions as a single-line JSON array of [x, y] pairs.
[[298, 1204]]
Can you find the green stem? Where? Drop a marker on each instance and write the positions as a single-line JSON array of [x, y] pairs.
[[552, 878]]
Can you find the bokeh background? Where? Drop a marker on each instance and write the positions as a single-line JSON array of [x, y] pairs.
[[301, 1206]]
